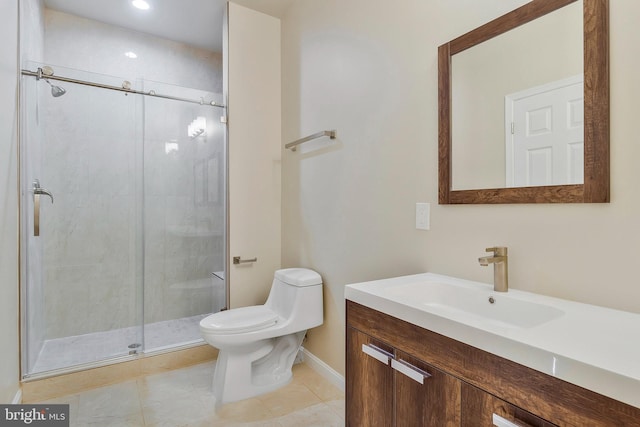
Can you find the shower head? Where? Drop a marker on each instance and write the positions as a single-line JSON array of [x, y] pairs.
[[56, 91]]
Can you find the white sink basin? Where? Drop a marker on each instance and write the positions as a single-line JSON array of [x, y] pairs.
[[594, 347], [477, 304]]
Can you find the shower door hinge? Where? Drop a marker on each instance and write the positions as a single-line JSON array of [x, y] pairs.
[[223, 119]]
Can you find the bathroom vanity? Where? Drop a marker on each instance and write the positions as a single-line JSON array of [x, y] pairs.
[[432, 350]]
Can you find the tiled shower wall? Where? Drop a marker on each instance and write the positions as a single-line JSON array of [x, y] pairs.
[[96, 143]]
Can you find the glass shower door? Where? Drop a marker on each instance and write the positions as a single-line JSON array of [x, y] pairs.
[[123, 218], [184, 214], [81, 246]]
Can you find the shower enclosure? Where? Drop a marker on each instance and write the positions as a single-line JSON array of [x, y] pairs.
[[122, 216]]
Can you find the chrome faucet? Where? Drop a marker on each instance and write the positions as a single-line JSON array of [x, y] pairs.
[[500, 267]]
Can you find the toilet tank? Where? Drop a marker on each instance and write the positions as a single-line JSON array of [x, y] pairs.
[[296, 295]]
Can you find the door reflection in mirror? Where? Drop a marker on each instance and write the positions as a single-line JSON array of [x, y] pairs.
[[548, 49]]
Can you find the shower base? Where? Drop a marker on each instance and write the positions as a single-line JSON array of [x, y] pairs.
[[66, 352]]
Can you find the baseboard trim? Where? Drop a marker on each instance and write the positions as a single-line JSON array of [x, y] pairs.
[[18, 397], [323, 369]]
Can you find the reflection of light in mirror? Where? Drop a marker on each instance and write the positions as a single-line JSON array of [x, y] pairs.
[[197, 127], [131, 55], [140, 4], [170, 147]]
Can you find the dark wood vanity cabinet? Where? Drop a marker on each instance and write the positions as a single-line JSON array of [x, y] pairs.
[[432, 403], [369, 384], [462, 385], [380, 395], [479, 408]]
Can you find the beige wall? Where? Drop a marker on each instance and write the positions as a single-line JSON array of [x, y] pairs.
[[254, 152], [9, 367], [369, 69]]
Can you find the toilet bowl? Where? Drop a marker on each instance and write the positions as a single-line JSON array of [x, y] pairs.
[[258, 344]]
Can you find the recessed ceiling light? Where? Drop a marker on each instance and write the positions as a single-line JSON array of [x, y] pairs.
[[140, 4], [131, 55]]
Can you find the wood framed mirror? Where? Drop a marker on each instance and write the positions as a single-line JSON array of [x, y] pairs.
[[595, 39]]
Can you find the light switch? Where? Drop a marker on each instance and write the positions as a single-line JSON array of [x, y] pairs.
[[423, 213]]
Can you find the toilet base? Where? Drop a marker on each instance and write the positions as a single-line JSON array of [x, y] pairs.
[[256, 368]]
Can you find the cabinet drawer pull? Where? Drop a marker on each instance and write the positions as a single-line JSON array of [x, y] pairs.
[[498, 421], [409, 370], [377, 353]]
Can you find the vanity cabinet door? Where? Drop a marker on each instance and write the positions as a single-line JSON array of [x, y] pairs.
[[480, 409], [434, 403], [369, 381]]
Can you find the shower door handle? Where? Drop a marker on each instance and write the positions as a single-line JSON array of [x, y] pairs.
[[37, 192]]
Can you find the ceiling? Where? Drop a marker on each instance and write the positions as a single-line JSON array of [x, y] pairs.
[[194, 22]]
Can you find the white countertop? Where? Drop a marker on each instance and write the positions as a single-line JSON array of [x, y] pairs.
[[593, 347]]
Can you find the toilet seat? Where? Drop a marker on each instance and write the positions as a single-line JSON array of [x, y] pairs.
[[240, 320]]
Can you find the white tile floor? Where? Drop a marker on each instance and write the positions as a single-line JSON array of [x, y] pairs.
[[183, 398], [70, 351]]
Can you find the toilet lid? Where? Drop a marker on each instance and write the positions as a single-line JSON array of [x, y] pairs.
[[238, 320]]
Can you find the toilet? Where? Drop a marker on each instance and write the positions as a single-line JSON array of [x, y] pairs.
[[258, 344]]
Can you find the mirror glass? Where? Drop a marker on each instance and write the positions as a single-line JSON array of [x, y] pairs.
[[517, 106]]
